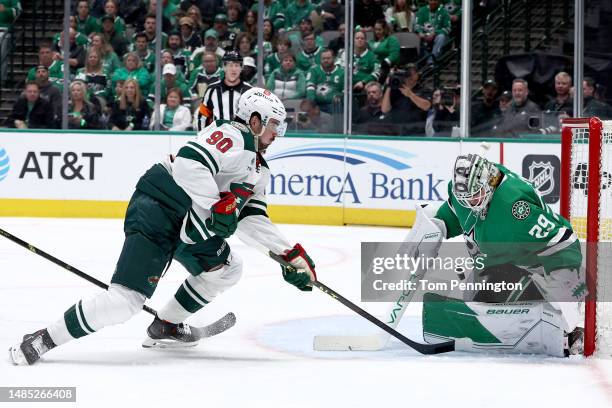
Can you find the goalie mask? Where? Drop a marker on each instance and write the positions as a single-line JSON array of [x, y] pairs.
[[474, 181], [267, 105]]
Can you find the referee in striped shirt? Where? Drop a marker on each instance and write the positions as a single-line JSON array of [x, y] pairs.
[[221, 98]]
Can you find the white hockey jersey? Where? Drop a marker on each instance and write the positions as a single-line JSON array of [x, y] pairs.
[[223, 156]]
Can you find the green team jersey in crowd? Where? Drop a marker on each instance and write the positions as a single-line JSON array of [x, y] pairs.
[[428, 22], [517, 228], [12, 8], [287, 84], [80, 39], [111, 62], [306, 60], [294, 13], [323, 86], [271, 62], [366, 67], [388, 49], [148, 60], [98, 84], [164, 92], [200, 80], [88, 26], [140, 74], [56, 73], [275, 12]]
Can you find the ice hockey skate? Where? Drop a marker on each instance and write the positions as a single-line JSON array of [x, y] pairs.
[[163, 334], [31, 348], [575, 342]]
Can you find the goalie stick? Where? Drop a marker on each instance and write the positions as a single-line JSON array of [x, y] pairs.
[[216, 327], [423, 348], [376, 341], [372, 342]]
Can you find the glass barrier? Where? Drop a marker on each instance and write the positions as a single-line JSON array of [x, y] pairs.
[[375, 68]]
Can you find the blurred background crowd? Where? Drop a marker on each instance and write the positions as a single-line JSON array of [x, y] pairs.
[[404, 67]]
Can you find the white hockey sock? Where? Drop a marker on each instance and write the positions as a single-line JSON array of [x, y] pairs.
[[114, 306], [197, 291], [173, 311]]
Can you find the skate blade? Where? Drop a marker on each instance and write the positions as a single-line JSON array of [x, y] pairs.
[[16, 355], [167, 344]]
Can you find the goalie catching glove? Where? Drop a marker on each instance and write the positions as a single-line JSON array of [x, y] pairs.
[[223, 219], [304, 274]]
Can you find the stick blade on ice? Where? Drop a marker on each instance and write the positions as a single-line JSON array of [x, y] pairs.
[[350, 343]]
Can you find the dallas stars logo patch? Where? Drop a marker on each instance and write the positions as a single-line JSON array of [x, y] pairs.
[[520, 210]]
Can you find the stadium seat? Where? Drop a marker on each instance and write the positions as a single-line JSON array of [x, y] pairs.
[[329, 36], [409, 47]]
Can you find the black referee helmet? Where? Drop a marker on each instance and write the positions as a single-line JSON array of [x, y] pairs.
[[232, 56]]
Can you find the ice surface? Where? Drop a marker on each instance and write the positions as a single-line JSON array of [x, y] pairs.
[[266, 360]]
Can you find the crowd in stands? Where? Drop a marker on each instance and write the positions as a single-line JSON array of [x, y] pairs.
[[112, 64]]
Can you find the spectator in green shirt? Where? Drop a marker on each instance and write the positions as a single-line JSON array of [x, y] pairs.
[[325, 82], [433, 26], [310, 54], [9, 10], [296, 11], [273, 61], [95, 77], [46, 57], [112, 9], [287, 82], [133, 69], [85, 23], [385, 46], [110, 60]]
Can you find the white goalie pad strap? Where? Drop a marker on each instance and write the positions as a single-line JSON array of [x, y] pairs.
[[426, 235]]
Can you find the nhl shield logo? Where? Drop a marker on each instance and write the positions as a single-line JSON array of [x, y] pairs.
[[541, 175]]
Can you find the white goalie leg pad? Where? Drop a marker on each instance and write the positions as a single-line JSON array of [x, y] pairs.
[[113, 306], [562, 286], [528, 328], [426, 235]]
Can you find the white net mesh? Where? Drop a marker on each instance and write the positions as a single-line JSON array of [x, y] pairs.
[[580, 190]]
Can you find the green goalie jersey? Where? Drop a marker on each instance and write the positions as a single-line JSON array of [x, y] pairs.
[[517, 228]]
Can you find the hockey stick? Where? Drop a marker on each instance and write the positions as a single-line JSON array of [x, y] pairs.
[[372, 342], [422, 348], [212, 329]]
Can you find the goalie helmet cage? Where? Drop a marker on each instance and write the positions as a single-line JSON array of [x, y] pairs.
[[586, 200]]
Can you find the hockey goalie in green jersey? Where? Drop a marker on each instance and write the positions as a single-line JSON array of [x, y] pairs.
[[519, 239]]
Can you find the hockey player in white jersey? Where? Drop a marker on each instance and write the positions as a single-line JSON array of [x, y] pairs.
[[184, 209]]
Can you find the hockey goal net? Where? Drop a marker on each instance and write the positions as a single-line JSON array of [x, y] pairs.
[[586, 200]]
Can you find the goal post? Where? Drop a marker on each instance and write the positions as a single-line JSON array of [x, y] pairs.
[[586, 181]]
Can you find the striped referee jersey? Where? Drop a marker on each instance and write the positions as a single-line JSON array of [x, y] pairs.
[[220, 102]]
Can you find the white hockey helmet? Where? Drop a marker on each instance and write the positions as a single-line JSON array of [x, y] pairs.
[[266, 104], [474, 181]]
